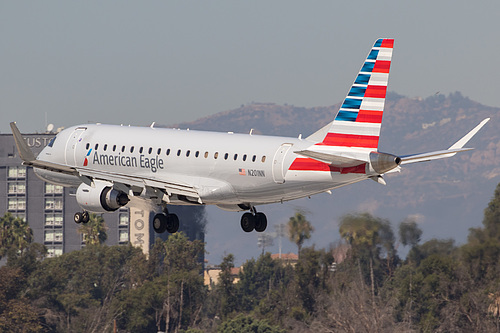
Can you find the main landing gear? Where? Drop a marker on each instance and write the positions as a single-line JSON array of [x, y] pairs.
[[253, 221], [165, 222], [81, 217]]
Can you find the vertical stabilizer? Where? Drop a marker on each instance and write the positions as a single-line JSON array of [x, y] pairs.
[[357, 123]]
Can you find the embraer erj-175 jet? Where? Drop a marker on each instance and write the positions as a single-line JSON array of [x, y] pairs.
[[110, 164]]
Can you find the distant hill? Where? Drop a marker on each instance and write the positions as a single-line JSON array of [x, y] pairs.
[[447, 196]]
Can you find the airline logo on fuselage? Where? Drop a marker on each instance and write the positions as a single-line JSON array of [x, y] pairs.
[[154, 163]]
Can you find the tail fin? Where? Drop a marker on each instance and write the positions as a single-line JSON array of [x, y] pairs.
[[357, 123]]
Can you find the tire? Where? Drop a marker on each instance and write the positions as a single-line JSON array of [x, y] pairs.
[[247, 222], [260, 222], [85, 217], [172, 223], [160, 223], [78, 218]]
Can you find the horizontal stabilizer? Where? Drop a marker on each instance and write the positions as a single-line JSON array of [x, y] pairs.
[[329, 158], [455, 148]]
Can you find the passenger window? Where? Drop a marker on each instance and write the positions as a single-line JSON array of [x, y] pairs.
[[105, 147], [226, 155], [254, 158], [150, 150], [168, 151], [235, 157], [96, 146], [244, 157], [159, 151], [197, 154], [132, 149], [216, 155], [188, 152], [263, 159], [179, 152], [123, 149], [206, 154], [86, 147], [141, 150]]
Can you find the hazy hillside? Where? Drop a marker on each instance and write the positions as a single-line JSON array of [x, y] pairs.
[[447, 197]]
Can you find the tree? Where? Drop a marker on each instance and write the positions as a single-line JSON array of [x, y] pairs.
[[94, 231], [15, 233], [371, 239], [247, 324], [409, 233], [299, 229]]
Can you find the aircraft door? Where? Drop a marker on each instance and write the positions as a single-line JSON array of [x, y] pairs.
[[278, 171], [71, 144]]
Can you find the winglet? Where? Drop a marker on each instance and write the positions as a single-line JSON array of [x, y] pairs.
[[463, 141], [22, 147], [452, 151]]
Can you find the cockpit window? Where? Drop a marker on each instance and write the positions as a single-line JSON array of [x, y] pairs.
[[51, 142]]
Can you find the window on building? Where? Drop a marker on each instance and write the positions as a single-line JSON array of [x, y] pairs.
[[16, 188], [123, 219], [53, 189], [54, 251], [123, 236], [17, 172], [17, 203], [53, 203], [54, 219], [54, 235]]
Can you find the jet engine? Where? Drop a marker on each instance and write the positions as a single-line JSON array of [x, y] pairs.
[[100, 198], [383, 162]]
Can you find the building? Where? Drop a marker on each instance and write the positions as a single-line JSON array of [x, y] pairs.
[[49, 209]]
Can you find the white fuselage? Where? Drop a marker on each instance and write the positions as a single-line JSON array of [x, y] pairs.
[[227, 169]]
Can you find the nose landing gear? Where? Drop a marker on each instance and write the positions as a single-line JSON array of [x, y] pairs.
[[81, 217]]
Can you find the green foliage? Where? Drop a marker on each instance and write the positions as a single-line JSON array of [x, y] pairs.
[[15, 234], [247, 324], [94, 231], [409, 233], [299, 229], [440, 287]]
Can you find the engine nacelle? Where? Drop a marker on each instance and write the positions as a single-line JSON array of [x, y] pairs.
[[100, 198], [383, 162]]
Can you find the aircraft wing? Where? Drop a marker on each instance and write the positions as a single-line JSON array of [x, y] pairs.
[[455, 148], [120, 181], [128, 181]]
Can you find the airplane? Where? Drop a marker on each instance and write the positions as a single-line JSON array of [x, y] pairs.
[[109, 164]]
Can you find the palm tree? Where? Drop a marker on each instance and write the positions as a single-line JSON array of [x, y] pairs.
[[14, 233], [94, 231], [299, 229]]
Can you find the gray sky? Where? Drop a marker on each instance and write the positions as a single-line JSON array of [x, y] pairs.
[[136, 62]]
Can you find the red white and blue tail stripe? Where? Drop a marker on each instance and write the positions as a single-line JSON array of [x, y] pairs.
[[358, 121]]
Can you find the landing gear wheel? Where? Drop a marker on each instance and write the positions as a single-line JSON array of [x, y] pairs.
[[160, 223], [248, 222], [260, 222], [172, 223], [85, 217], [78, 218]]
